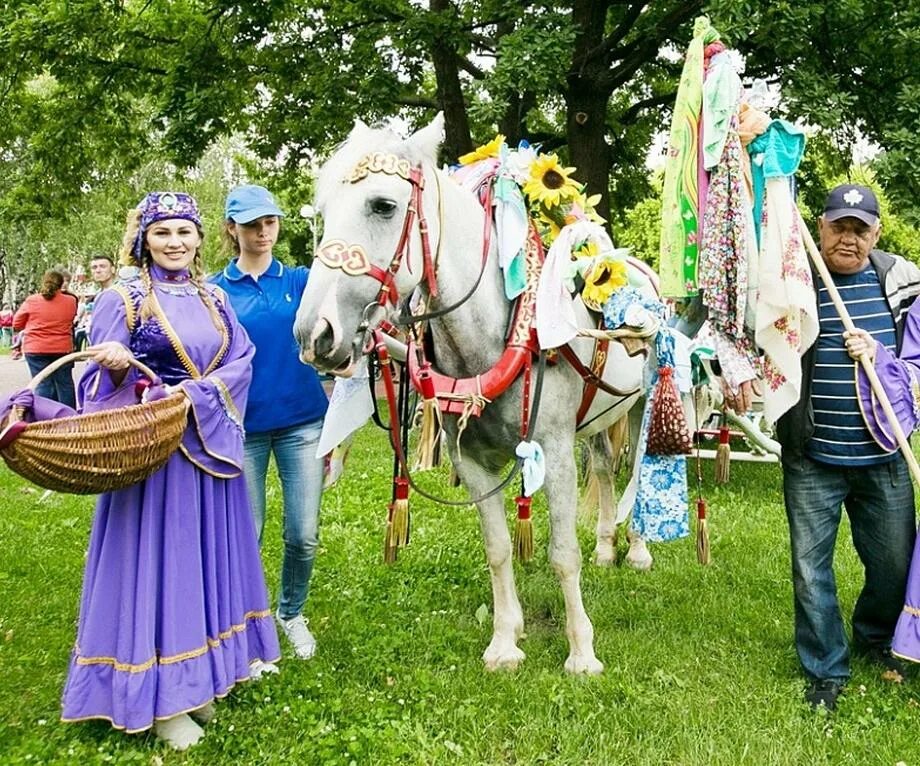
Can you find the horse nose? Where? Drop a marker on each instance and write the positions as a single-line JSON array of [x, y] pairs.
[[323, 340]]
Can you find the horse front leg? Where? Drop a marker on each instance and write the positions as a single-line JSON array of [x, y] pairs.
[[508, 618], [565, 555]]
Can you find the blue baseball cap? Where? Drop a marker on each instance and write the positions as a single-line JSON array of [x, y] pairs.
[[246, 203]]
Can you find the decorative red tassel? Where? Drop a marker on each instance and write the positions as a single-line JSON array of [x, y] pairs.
[[397, 534], [427, 454], [723, 455], [668, 433], [703, 554], [523, 530]]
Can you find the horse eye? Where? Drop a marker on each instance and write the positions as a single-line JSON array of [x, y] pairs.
[[382, 206]]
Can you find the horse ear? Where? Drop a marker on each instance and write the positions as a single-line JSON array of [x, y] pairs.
[[428, 139], [358, 128]]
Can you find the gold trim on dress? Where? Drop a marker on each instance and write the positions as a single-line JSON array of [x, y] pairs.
[[121, 727], [130, 313], [224, 391], [204, 446], [212, 643], [178, 346]]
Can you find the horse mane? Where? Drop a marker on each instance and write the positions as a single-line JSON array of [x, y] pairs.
[[360, 141]]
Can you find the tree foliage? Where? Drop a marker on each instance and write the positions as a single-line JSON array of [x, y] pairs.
[[95, 90]]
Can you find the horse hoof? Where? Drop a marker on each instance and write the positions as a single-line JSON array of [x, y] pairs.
[[581, 665], [502, 658], [605, 558], [639, 559]]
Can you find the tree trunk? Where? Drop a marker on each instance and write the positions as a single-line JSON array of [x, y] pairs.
[[586, 111], [457, 138], [586, 103]]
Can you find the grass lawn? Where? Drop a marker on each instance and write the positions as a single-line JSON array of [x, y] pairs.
[[700, 665]]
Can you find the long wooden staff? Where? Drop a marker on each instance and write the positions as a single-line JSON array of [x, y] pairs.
[[864, 360]]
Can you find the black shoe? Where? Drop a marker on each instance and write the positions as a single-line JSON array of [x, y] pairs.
[[895, 669], [823, 691]]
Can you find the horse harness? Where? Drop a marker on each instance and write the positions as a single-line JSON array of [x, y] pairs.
[[463, 397]]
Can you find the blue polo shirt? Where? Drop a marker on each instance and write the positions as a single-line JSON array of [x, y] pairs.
[[285, 392]]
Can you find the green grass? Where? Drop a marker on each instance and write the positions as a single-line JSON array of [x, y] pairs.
[[700, 666]]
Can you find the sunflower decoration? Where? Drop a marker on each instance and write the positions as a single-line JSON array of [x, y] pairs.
[[604, 276], [484, 152], [550, 184]]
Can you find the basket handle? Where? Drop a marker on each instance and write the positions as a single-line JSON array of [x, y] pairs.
[[76, 356]]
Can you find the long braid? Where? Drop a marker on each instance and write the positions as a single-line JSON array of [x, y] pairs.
[[148, 302], [197, 274], [132, 227]]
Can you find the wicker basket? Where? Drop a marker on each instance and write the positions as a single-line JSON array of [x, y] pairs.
[[99, 451]]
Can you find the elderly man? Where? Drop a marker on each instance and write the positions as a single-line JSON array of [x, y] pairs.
[[831, 461]]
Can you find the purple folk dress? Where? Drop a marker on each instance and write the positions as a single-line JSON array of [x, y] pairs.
[[900, 377], [174, 606]]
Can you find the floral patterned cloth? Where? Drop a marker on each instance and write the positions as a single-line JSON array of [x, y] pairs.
[[660, 511], [728, 255], [787, 312]]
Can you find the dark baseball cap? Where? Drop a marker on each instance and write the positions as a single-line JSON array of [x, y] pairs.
[[852, 201]]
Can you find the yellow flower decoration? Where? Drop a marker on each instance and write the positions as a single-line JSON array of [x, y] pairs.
[[485, 151], [587, 249], [549, 182], [605, 276]]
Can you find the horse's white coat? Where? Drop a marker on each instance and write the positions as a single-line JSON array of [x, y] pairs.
[[467, 342]]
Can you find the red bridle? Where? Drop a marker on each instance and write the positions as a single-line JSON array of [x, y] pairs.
[[353, 260]]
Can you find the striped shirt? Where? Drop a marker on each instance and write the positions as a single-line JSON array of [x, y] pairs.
[[840, 435]]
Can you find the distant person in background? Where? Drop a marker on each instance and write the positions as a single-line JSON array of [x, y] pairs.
[[67, 276], [102, 270], [83, 322], [287, 402], [47, 319], [6, 325]]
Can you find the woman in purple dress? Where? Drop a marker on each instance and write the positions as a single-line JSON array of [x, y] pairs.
[[900, 377], [174, 609]]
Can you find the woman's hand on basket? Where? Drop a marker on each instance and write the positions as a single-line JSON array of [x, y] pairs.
[[112, 355]]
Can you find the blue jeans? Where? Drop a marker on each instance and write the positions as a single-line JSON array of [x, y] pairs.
[[301, 477], [879, 501], [57, 386]]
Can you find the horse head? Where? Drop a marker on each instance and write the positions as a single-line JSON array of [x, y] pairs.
[[376, 243]]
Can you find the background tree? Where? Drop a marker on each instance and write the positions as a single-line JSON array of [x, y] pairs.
[[94, 90]]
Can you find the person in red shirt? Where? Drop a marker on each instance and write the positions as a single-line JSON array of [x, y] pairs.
[[47, 319], [6, 325]]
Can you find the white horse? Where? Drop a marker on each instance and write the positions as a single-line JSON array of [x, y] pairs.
[[371, 193]]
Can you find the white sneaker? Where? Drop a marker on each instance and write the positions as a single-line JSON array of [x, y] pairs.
[[257, 669], [179, 732], [299, 635]]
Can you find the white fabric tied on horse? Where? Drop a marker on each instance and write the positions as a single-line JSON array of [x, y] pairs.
[[556, 321], [534, 469], [350, 407]]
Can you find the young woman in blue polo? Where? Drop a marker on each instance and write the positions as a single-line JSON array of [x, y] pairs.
[[287, 403]]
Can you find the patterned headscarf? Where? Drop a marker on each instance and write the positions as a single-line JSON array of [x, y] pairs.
[[160, 206]]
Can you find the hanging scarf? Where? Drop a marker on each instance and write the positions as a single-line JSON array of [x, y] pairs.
[[728, 248], [787, 312], [680, 196]]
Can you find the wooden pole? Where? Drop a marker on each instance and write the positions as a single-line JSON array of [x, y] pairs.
[[864, 359]]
